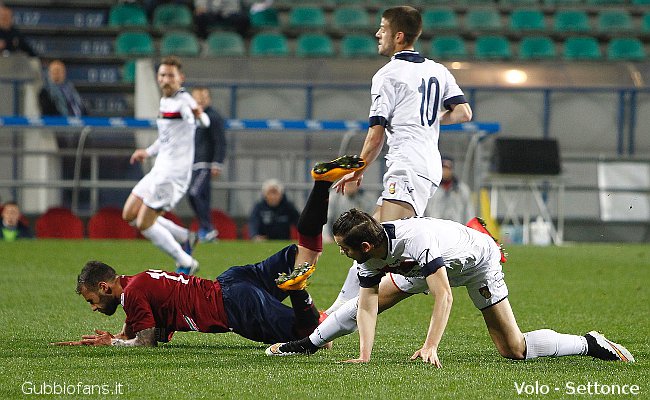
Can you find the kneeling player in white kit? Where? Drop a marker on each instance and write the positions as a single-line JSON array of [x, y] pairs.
[[163, 187], [417, 255]]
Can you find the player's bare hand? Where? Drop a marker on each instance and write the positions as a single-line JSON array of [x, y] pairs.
[[428, 355], [102, 338], [355, 361], [339, 186], [71, 343], [138, 155]]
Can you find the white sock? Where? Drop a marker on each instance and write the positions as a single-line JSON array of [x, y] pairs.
[[548, 343], [179, 233], [349, 290], [340, 323], [164, 240]]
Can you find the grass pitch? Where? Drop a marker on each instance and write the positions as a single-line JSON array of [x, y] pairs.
[[571, 289]]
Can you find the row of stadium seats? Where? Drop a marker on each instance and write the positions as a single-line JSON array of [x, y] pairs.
[[357, 18], [507, 3], [444, 47], [107, 223]]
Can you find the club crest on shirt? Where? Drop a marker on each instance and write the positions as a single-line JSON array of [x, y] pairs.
[[485, 292], [391, 188]]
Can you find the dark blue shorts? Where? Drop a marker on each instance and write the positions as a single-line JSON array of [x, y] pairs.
[[253, 302]]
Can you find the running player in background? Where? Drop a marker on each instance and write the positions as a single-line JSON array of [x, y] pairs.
[[398, 259], [163, 187], [411, 96], [245, 299]]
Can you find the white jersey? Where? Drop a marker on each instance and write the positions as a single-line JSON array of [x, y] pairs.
[[175, 144], [421, 243], [407, 94]]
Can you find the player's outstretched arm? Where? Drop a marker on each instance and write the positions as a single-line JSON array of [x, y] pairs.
[[366, 322], [441, 291], [145, 337], [371, 149]]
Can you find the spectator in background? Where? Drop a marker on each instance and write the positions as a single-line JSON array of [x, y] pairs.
[[12, 227], [233, 14], [273, 216], [58, 95], [454, 200], [209, 153], [11, 40]]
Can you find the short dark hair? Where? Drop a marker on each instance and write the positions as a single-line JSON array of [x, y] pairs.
[[355, 227], [92, 273], [173, 61], [404, 19]]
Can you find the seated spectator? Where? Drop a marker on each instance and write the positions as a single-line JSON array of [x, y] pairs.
[[58, 95], [273, 216], [453, 199], [12, 227], [11, 40], [232, 14]]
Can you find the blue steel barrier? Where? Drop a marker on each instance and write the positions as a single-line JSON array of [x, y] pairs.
[[235, 124]]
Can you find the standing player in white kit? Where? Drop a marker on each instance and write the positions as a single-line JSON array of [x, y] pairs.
[[411, 96], [163, 187]]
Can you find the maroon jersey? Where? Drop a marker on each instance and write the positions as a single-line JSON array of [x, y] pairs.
[[172, 302]]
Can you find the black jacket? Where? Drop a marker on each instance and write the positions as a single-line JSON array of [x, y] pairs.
[[273, 222], [210, 142]]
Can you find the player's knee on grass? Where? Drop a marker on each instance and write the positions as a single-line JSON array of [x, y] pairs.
[[512, 350]]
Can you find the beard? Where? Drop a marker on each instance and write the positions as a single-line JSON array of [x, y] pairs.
[[108, 304], [363, 257]]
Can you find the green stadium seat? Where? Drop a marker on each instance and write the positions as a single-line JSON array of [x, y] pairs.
[[483, 19], [645, 22], [388, 3], [582, 48], [267, 18], [439, 18], [527, 20], [606, 2], [314, 45], [128, 71], [357, 46], [640, 2], [172, 15], [537, 48], [220, 44], [134, 44], [360, 3], [351, 18], [180, 43], [492, 47], [563, 2], [571, 21], [269, 44], [448, 47], [630, 49], [306, 17], [614, 21], [127, 14], [518, 3], [476, 2]]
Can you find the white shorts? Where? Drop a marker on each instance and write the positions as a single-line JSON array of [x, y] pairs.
[[484, 283], [403, 184], [159, 191]]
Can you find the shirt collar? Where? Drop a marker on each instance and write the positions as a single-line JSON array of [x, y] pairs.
[[408, 55]]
